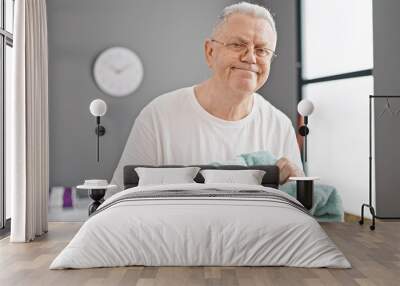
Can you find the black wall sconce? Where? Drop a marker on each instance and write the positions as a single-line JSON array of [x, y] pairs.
[[98, 108]]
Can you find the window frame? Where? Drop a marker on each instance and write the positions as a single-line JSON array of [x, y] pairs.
[[301, 81], [6, 39]]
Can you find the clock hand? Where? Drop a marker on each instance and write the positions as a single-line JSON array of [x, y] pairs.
[[112, 67], [120, 70]]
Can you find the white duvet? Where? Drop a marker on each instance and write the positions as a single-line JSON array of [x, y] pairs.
[[200, 231]]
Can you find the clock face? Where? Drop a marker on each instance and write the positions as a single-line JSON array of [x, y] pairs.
[[118, 71]]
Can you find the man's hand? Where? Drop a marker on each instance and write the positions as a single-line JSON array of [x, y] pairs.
[[287, 169]]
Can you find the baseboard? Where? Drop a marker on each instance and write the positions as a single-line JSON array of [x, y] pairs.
[[354, 218]]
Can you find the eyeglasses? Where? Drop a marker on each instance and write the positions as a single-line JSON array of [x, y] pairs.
[[237, 47]]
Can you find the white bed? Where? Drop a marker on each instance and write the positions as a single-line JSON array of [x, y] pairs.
[[185, 230]]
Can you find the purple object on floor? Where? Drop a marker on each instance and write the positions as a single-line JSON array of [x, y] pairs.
[[67, 198]]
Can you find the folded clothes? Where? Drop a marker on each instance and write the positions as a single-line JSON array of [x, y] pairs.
[[67, 198], [327, 204]]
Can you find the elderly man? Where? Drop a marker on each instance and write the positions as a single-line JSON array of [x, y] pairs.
[[221, 117]]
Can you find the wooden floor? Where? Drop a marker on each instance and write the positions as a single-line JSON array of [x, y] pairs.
[[375, 257]]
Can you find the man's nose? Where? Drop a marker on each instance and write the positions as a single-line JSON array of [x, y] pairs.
[[249, 55]]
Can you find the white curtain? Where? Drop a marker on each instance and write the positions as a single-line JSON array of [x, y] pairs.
[[27, 142]]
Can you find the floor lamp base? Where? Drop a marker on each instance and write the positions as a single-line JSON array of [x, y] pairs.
[[372, 210]]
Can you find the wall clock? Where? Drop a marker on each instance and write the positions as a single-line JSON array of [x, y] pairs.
[[118, 71]]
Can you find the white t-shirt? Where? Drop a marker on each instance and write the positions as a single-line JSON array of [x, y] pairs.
[[175, 129]]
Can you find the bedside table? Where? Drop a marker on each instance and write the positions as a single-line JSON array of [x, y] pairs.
[[304, 190], [97, 190], [97, 195]]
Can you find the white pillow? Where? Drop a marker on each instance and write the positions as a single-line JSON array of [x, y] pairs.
[[249, 177], [162, 176]]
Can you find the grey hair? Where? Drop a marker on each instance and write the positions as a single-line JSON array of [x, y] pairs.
[[245, 8]]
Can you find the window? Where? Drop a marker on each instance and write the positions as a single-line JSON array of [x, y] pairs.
[[336, 60], [6, 59], [337, 37]]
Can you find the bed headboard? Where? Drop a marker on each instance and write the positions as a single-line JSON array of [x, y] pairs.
[[270, 179]]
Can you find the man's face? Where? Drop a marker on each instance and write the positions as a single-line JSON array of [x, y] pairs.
[[244, 71]]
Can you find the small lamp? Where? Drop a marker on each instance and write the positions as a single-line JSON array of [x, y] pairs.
[[98, 108], [305, 108]]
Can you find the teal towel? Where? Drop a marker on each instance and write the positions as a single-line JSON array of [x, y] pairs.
[[250, 159], [258, 158], [327, 204]]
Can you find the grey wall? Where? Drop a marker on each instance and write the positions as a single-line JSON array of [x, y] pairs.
[[168, 36], [387, 81], [281, 88]]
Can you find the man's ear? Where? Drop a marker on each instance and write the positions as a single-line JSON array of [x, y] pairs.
[[209, 52]]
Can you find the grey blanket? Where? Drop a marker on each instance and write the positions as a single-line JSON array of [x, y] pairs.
[[234, 225]]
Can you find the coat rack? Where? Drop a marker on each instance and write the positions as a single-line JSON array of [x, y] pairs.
[[387, 109]]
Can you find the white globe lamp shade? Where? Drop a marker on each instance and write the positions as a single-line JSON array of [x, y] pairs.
[[98, 107], [305, 107]]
